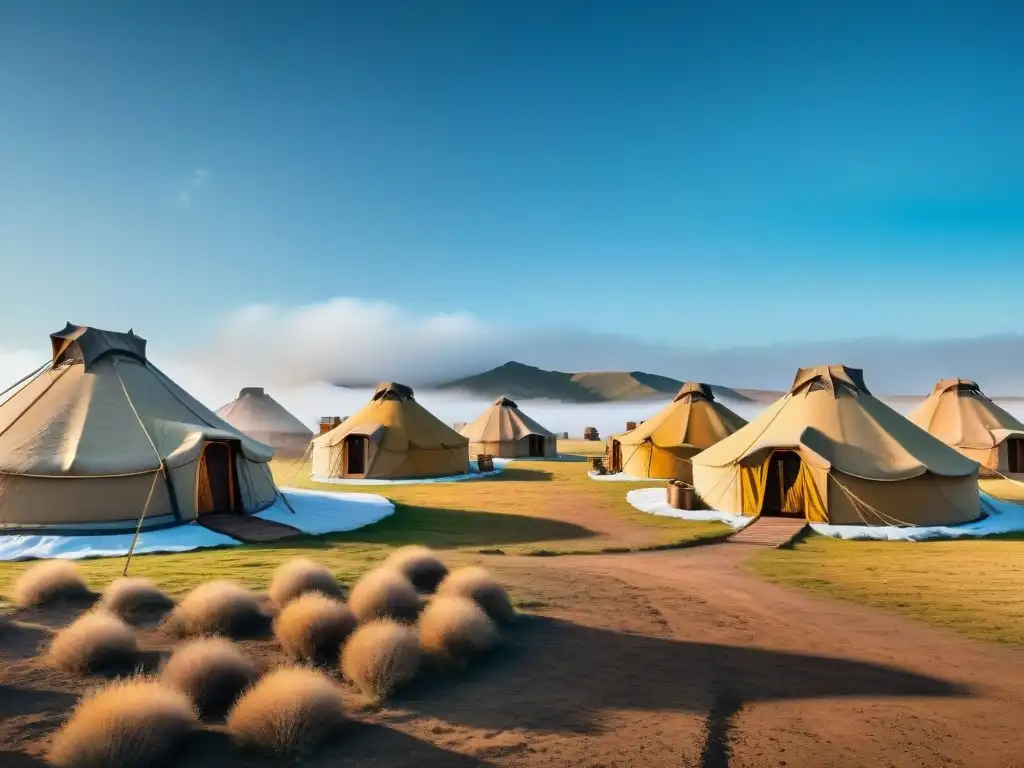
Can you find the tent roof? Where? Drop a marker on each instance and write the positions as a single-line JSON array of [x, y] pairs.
[[254, 411], [80, 343], [390, 390], [502, 422], [693, 418], [832, 419], [959, 414]]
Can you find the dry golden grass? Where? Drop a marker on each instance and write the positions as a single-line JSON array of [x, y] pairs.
[[288, 713], [298, 576], [129, 597], [50, 581], [381, 656], [212, 671], [95, 642], [419, 565], [453, 629], [478, 585], [218, 608], [385, 593], [313, 627], [127, 724]]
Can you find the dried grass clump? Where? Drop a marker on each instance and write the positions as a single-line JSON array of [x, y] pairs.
[[127, 724], [453, 629], [95, 642], [478, 585], [385, 593], [381, 656], [313, 627], [419, 565], [212, 672], [50, 581], [298, 576], [218, 608], [289, 713], [130, 597]]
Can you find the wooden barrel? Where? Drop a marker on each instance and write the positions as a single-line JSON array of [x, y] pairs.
[[485, 462], [684, 496]]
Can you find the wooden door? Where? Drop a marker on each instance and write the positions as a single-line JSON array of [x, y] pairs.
[[355, 455], [216, 479], [536, 445], [783, 473]]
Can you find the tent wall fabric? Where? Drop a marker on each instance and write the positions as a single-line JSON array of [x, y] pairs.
[[260, 416], [391, 437], [959, 414], [664, 445], [830, 451], [102, 437], [504, 430]]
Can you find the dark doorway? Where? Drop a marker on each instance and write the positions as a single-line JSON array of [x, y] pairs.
[[616, 456], [1015, 455], [783, 471], [536, 445], [217, 478], [355, 455]]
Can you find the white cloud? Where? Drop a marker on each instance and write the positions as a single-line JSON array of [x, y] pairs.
[[196, 181]]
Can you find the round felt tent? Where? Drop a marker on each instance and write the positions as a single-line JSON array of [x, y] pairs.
[[959, 414], [260, 416], [504, 430], [831, 452], [100, 441], [663, 446], [391, 437]]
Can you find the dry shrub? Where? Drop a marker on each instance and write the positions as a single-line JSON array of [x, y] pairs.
[[50, 581], [218, 608], [313, 627], [419, 565], [212, 672], [298, 576], [385, 593], [289, 713], [127, 724], [453, 629], [129, 597], [95, 642], [478, 585], [381, 656]]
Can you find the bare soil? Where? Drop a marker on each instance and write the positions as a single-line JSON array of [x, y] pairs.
[[676, 658]]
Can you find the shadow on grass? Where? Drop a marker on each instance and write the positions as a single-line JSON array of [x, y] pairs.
[[444, 528], [556, 676]]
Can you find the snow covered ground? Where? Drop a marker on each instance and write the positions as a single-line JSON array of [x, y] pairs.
[[654, 501], [316, 512], [473, 474], [622, 477]]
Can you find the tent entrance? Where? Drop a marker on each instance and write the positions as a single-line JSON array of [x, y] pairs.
[[781, 493], [536, 445], [616, 457], [1015, 455], [217, 480], [355, 455]]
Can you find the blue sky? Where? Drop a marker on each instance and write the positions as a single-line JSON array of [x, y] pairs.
[[682, 172]]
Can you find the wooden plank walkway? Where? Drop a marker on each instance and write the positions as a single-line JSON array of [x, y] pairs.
[[247, 528], [770, 531]]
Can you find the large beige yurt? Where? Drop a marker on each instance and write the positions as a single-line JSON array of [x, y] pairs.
[[959, 414], [831, 452], [504, 430], [100, 438], [663, 446], [391, 437], [261, 417]]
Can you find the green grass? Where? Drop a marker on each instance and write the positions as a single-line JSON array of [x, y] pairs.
[[973, 586], [538, 508]]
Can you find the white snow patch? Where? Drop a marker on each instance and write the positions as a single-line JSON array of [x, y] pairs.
[[654, 501], [327, 512], [622, 477], [473, 474], [1002, 517]]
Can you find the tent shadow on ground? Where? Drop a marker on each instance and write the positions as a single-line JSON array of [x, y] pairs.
[[443, 528], [518, 474], [556, 676]]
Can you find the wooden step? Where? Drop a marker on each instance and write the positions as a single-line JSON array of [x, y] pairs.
[[770, 531], [247, 528]]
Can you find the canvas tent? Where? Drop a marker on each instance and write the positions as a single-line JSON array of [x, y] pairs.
[[959, 414], [663, 446], [100, 438], [831, 452], [262, 418], [391, 437], [504, 430]]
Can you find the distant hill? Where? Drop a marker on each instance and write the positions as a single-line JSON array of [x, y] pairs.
[[517, 380]]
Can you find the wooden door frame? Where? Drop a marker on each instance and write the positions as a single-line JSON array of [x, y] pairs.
[[366, 455], [232, 447], [776, 463]]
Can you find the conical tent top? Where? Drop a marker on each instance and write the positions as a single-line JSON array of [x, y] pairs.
[[504, 402], [958, 385], [82, 344], [390, 390], [831, 376], [256, 391], [693, 390]]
